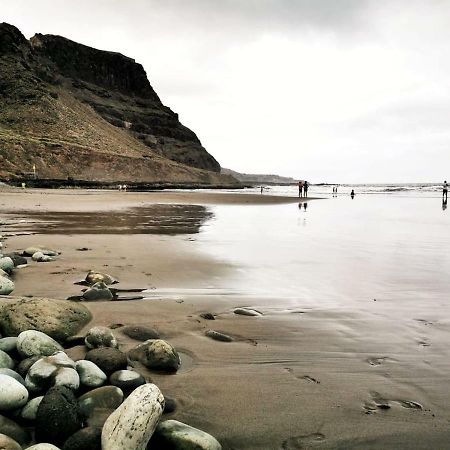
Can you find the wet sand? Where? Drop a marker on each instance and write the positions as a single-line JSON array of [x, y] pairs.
[[363, 375]]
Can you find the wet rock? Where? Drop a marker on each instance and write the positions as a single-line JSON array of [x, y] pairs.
[[13, 374], [41, 257], [89, 438], [6, 264], [94, 277], [6, 443], [6, 286], [170, 405], [127, 380], [247, 312], [217, 336], [30, 251], [58, 319], [57, 416], [132, 424], [156, 354], [24, 365], [90, 374], [17, 259], [10, 428], [68, 377], [97, 405], [140, 332], [29, 411], [8, 344], [108, 359], [33, 343], [6, 361], [207, 316], [174, 435], [13, 395], [100, 337], [99, 291]]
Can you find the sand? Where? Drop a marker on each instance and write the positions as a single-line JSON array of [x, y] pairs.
[[295, 378]]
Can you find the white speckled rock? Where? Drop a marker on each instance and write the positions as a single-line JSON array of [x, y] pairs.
[[13, 395], [178, 435], [29, 411], [32, 343], [43, 446], [5, 360], [13, 374], [132, 424], [6, 264], [8, 344], [90, 374], [100, 337], [6, 286]]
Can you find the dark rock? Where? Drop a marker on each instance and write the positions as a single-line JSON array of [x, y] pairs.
[[140, 332], [156, 354], [108, 359], [89, 438], [14, 431], [207, 316], [17, 259], [170, 405], [98, 292], [57, 416], [127, 380], [25, 365], [217, 336]]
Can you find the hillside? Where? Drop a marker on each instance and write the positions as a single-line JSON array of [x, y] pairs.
[[249, 178], [73, 111]]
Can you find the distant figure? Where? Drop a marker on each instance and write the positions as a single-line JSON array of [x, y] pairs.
[[24, 185], [300, 206], [300, 188], [305, 188], [445, 191], [120, 187], [124, 187], [262, 189], [305, 205], [444, 204], [352, 194]]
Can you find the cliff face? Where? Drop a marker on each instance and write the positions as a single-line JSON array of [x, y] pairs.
[[67, 104]]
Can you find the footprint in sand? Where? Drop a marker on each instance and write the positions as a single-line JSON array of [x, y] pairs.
[[373, 361], [424, 321], [378, 402], [302, 377], [424, 342], [303, 442]]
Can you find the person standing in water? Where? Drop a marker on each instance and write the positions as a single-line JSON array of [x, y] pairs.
[[445, 191], [305, 188], [300, 188], [352, 194]]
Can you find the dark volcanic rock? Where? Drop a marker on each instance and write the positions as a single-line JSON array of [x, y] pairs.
[[57, 416], [108, 359], [140, 332], [86, 439]]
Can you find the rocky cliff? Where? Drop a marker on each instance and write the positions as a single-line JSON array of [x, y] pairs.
[[74, 111]]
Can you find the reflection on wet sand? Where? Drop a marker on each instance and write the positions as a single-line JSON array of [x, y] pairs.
[[154, 219]]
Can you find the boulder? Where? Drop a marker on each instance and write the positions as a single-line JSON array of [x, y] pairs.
[[89, 438], [6, 264], [218, 336], [6, 360], [29, 411], [99, 291], [174, 435], [13, 394], [127, 380], [132, 424], [140, 332], [94, 277], [13, 374], [14, 431], [35, 343], [6, 285], [17, 259], [100, 337], [90, 374], [57, 416], [97, 405], [6, 443], [108, 359], [156, 354], [58, 319]]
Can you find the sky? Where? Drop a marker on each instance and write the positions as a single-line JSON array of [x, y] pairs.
[[324, 90]]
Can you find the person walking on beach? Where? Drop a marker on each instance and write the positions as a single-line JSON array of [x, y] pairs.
[[445, 191], [352, 194], [300, 188], [305, 188]]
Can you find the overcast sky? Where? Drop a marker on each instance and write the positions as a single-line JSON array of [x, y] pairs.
[[327, 90]]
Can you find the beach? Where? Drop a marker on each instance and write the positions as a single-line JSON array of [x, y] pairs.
[[351, 348]]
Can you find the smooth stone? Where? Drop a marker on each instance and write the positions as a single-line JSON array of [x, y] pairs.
[[98, 277], [98, 291], [30, 251], [217, 336], [89, 438], [29, 411], [97, 405], [207, 316], [6, 443], [13, 374], [140, 332], [175, 435], [68, 377], [170, 405], [43, 446], [90, 374], [132, 424], [58, 319], [24, 366], [100, 337], [57, 416], [17, 259], [32, 343], [6, 286], [6, 361], [108, 359], [13, 394], [8, 344], [6, 264], [156, 354], [14, 431], [126, 380], [37, 256], [247, 312]]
